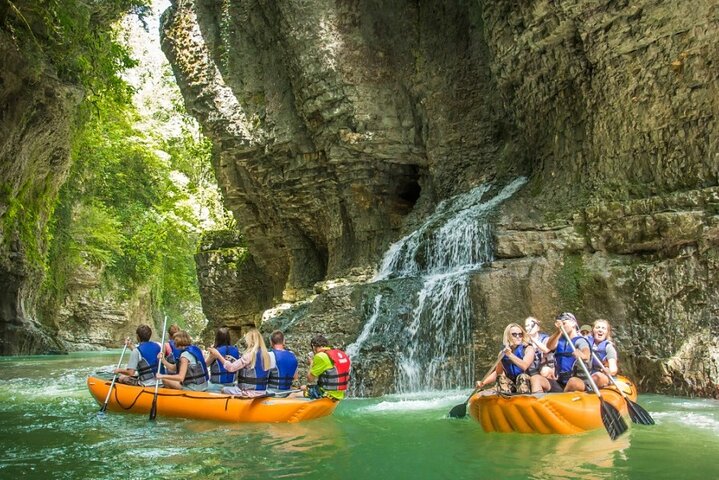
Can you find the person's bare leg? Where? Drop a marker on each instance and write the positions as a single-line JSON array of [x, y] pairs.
[[575, 385], [539, 384]]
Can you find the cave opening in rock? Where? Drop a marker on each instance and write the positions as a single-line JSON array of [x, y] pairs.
[[408, 190]]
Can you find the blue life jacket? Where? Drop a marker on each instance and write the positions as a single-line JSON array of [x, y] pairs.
[[539, 359], [253, 378], [600, 350], [197, 373], [565, 361], [281, 377], [218, 374], [510, 369], [174, 354], [147, 366]]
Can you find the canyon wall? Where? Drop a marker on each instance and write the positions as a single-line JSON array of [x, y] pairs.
[[338, 125]]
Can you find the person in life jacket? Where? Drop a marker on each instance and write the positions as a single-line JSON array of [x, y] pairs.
[[253, 367], [330, 368], [511, 372], [541, 371], [284, 369], [603, 348], [189, 372], [218, 374], [570, 375], [169, 348], [142, 366]]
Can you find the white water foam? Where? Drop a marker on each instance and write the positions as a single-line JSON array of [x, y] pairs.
[[417, 401], [454, 241]]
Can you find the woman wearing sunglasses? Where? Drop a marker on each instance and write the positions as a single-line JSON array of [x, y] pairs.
[[510, 373]]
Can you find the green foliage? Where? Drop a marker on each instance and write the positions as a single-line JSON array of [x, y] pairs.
[[96, 234], [121, 212], [126, 210], [75, 37]]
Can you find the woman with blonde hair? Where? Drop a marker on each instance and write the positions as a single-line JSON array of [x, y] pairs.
[[541, 371], [510, 372], [190, 370], [253, 367], [603, 348]]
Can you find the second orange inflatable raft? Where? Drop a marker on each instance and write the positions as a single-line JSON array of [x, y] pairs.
[[208, 406], [558, 413]]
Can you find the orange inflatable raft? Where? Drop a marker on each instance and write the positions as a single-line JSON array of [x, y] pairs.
[[208, 406], [558, 413]]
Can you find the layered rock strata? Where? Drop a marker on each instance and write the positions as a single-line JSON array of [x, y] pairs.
[[34, 159], [339, 125]]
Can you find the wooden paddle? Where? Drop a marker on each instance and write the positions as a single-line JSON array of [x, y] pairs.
[[103, 409], [460, 411], [636, 412], [153, 410], [611, 418]]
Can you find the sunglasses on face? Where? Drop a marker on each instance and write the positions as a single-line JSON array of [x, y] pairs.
[[517, 334]]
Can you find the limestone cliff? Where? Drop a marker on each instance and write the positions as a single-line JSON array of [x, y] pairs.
[[34, 153], [45, 67], [338, 125]]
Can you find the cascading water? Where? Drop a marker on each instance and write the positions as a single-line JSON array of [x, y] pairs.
[[433, 349]]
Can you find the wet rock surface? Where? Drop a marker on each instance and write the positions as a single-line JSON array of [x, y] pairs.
[[339, 126]]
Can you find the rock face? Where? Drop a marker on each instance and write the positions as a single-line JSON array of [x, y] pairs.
[[337, 126], [233, 289], [91, 318], [34, 159]]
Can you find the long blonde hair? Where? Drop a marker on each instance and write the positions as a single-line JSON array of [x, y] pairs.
[[255, 342], [507, 340]]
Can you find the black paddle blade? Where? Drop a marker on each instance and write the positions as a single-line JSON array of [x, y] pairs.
[[612, 420], [153, 410], [458, 411], [638, 414]]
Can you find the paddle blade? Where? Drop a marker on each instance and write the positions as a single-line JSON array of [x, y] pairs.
[[638, 414], [153, 410], [612, 420], [458, 411]]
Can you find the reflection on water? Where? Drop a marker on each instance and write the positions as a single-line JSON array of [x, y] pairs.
[[51, 429]]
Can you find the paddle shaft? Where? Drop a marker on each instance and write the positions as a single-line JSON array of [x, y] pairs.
[[153, 410], [581, 362], [486, 375], [114, 378], [609, 375], [489, 372], [459, 411]]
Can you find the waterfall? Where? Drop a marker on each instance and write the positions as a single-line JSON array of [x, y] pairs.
[[433, 350]]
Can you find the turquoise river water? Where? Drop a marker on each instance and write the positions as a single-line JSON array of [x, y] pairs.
[[50, 428]]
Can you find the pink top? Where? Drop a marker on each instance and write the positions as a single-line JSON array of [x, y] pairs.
[[238, 364]]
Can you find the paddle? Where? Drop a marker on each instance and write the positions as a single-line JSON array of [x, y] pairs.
[[103, 409], [611, 418], [636, 412], [460, 411], [153, 410]]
